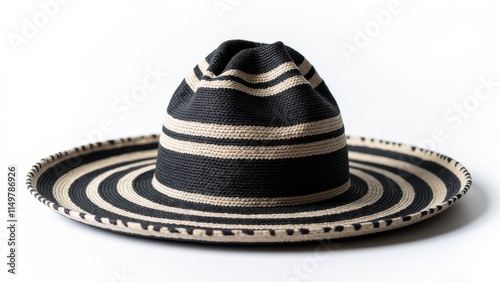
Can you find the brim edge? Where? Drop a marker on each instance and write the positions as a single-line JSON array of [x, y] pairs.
[[202, 234]]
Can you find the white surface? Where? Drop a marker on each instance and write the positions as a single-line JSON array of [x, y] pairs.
[[69, 77]]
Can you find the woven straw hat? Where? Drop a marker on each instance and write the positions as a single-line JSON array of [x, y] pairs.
[[252, 150]]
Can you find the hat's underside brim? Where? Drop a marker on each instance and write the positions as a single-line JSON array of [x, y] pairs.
[[108, 185]]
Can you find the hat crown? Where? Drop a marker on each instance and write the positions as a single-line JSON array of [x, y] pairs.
[[252, 125]]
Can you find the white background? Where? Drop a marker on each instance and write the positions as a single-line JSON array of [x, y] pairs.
[[406, 81]]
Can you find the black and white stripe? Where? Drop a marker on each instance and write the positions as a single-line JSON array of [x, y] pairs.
[[391, 185], [252, 150]]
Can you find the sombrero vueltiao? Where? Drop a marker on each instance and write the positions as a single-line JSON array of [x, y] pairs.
[[252, 150]]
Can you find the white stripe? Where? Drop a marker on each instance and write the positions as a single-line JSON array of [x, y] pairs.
[[260, 92], [249, 201], [62, 185], [191, 79], [252, 132], [194, 83], [257, 78], [435, 183], [253, 152], [315, 80], [304, 67], [406, 198], [203, 66]]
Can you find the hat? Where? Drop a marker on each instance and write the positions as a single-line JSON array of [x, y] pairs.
[[252, 150]]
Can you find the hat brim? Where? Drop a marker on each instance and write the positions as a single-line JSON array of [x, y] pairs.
[[108, 185]]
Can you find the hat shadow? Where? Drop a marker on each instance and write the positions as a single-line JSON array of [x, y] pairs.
[[463, 213]]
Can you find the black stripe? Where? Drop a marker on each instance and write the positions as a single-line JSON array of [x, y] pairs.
[[197, 72], [449, 178], [228, 106], [252, 178], [143, 188], [77, 188], [260, 85], [47, 180], [107, 190], [422, 189], [77, 194], [310, 73], [244, 142], [142, 185]]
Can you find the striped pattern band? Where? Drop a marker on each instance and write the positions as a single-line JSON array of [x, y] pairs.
[[392, 185]]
